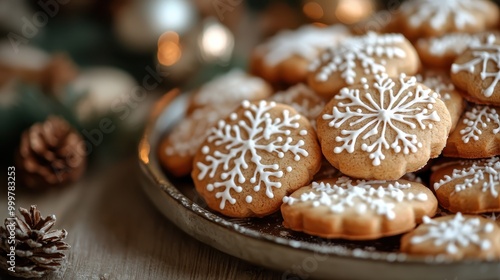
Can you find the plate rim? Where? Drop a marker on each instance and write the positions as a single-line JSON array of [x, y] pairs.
[[152, 171]]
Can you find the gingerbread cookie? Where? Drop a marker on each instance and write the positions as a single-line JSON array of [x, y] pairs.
[[441, 83], [383, 128], [356, 209], [454, 237], [177, 149], [477, 134], [230, 89], [440, 52], [429, 18], [469, 186], [286, 56], [360, 58], [477, 72], [303, 99], [253, 158]]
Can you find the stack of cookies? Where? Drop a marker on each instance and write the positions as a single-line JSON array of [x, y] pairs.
[[340, 150]]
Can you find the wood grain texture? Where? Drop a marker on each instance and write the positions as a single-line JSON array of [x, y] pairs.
[[116, 233]]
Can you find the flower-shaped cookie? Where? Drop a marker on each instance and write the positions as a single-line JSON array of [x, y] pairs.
[[428, 18], [383, 128], [286, 56], [477, 72], [360, 58], [454, 237], [356, 209], [469, 186], [477, 134], [253, 158], [440, 52]]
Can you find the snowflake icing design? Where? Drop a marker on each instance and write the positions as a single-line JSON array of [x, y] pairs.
[[438, 13], [482, 55], [362, 196], [477, 119], [455, 233], [370, 52], [482, 170], [257, 134], [437, 82], [455, 43], [303, 99], [410, 106]]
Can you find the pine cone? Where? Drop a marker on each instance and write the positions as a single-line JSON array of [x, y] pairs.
[[51, 153], [38, 249]]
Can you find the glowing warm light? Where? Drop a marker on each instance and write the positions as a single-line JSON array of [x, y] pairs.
[[169, 51], [216, 42], [352, 11], [169, 36], [175, 15], [313, 10]]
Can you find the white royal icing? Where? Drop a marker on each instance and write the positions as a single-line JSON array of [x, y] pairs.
[[369, 52], [437, 82], [476, 120], [233, 86], [461, 13], [411, 106], [486, 170], [190, 133], [361, 196], [303, 99], [482, 56], [456, 233], [305, 42], [255, 135], [455, 43]]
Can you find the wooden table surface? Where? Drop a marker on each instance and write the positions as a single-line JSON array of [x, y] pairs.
[[116, 233]]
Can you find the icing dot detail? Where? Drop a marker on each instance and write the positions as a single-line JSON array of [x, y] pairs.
[[362, 196], [256, 133], [366, 51], [486, 171], [378, 118], [456, 233], [249, 199]]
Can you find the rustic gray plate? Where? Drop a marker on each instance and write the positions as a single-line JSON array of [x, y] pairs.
[[266, 242]]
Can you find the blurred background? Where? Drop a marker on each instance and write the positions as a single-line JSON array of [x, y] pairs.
[[86, 60]]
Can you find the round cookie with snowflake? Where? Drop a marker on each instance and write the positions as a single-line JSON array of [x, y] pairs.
[[440, 82], [441, 51], [383, 128], [253, 158], [428, 18], [285, 57], [178, 147], [230, 89], [477, 134], [469, 186], [356, 209], [477, 72], [454, 237], [362, 57], [303, 99]]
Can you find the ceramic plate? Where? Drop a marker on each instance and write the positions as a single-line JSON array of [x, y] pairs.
[[266, 242]]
